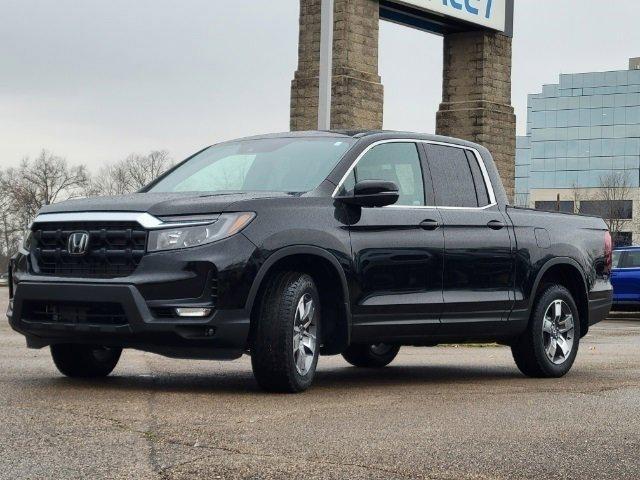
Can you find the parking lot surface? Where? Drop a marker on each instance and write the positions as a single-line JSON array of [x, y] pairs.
[[441, 413]]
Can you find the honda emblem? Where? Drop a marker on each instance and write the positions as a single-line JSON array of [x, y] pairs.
[[78, 243]]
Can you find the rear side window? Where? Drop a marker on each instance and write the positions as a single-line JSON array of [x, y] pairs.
[[457, 178]]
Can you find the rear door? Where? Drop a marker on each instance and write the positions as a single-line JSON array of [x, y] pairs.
[[478, 262], [397, 251]]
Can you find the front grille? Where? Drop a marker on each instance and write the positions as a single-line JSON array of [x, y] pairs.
[[74, 313], [114, 249]]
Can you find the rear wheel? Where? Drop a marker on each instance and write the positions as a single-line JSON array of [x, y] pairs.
[[285, 344], [549, 346], [85, 361], [371, 356]]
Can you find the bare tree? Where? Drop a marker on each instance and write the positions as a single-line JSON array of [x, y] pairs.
[[11, 235], [613, 190], [130, 174], [110, 180], [42, 181], [143, 169], [10, 226]]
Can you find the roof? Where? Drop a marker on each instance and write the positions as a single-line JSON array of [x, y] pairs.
[[359, 134]]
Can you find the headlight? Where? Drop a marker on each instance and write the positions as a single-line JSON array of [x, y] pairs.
[[174, 238]]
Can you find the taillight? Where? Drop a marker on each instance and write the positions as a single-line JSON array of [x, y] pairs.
[[608, 251]]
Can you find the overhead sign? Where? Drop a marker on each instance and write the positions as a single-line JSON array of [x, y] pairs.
[[492, 14]]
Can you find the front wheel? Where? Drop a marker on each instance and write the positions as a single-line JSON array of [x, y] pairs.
[[549, 346], [371, 356], [85, 361], [286, 341]]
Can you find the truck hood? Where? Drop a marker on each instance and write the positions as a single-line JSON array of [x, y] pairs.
[[162, 204]]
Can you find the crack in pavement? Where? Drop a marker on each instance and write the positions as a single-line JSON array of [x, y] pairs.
[[150, 434], [288, 460], [153, 439]]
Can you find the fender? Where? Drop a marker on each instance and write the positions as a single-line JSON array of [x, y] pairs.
[[551, 263], [299, 250]]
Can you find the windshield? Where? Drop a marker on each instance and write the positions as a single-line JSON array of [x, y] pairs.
[[272, 165]]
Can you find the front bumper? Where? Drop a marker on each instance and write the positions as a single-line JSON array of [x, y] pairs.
[[223, 335], [161, 281]]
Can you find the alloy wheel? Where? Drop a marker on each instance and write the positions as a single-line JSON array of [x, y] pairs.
[[304, 334], [558, 332]]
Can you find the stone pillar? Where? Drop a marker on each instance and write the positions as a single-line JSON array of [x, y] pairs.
[[357, 93], [476, 97]]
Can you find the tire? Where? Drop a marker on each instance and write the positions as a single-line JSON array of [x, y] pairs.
[[278, 364], [85, 361], [532, 350], [371, 356]]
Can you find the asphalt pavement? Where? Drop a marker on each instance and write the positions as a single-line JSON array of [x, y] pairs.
[[441, 413]]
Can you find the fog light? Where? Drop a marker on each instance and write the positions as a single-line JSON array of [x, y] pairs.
[[193, 312]]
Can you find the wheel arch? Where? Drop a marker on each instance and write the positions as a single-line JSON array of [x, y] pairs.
[[567, 272], [331, 280]]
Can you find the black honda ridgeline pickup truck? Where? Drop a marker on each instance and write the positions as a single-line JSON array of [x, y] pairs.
[[289, 246]]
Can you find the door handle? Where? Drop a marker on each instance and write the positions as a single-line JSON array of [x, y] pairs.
[[430, 225], [496, 225]]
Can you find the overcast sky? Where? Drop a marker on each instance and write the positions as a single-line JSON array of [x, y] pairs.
[[95, 80]]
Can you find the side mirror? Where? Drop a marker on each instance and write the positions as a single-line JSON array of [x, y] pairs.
[[373, 193]]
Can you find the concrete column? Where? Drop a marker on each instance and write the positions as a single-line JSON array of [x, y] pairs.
[[357, 101], [476, 97]]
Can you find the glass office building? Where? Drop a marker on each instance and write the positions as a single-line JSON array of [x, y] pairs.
[[579, 131]]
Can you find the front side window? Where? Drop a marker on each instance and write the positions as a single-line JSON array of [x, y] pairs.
[[395, 162], [457, 178], [274, 165]]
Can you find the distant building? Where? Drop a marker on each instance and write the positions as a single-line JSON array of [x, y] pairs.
[[583, 138]]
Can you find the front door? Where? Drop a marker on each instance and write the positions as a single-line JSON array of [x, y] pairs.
[[397, 250], [625, 277], [478, 261]]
